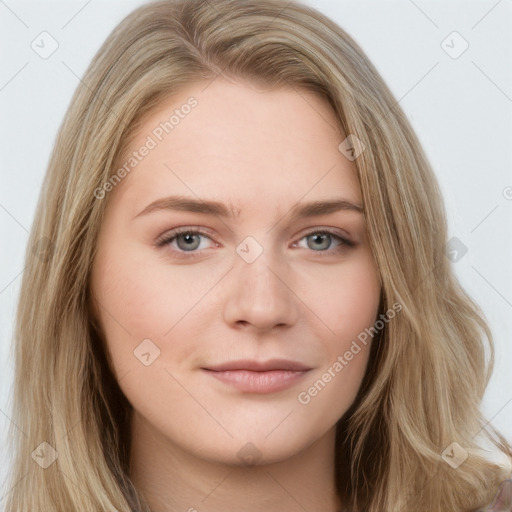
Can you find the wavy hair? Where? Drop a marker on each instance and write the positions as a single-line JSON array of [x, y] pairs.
[[429, 368]]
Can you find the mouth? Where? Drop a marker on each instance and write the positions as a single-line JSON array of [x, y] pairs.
[[259, 377]]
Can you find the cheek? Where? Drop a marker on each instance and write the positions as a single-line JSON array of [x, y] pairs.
[[348, 306], [130, 309], [358, 302], [348, 300], [349, 309], [140, 297]]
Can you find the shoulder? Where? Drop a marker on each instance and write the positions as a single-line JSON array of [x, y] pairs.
[[503, 499]]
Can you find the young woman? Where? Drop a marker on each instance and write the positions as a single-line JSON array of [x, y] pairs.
[[237, 294]]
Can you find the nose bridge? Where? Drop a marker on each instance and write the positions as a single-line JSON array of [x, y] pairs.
[[258, 293], [258, 269]]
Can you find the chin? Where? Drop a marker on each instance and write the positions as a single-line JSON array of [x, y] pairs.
[[257, 450]]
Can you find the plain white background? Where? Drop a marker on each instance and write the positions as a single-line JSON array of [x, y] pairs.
[[459, 103]]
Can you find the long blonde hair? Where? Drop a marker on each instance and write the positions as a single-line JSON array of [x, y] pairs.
[[428, 369]]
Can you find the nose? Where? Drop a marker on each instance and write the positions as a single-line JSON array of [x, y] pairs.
[[260, 294]]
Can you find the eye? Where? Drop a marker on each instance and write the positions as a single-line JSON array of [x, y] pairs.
[[321, 242], [184, 240]]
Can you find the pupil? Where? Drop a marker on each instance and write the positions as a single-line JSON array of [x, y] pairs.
[[318, 238], [188, 238]]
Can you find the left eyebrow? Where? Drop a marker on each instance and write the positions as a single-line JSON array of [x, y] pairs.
[[317, 208], [299, 211]]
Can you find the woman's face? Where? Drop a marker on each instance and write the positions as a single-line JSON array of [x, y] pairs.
[[232, 343]]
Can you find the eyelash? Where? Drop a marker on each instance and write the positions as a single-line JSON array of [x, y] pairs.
[[172, 235]]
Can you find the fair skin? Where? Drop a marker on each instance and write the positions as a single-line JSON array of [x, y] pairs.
[[304, 298]]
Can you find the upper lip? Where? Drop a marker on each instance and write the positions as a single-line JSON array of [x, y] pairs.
[[259, 366]]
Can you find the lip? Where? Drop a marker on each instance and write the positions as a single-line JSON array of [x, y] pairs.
[[259, 366], [259, 377]]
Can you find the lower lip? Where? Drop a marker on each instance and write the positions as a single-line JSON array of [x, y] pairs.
[[259, 382]]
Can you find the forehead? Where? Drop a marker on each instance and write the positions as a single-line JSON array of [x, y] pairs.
[[241, 144]]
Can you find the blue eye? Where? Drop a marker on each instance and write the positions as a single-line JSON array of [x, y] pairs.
[[319, 237], [185, 242], [190, 241]]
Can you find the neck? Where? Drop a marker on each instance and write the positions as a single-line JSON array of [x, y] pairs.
[[172, 479]]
